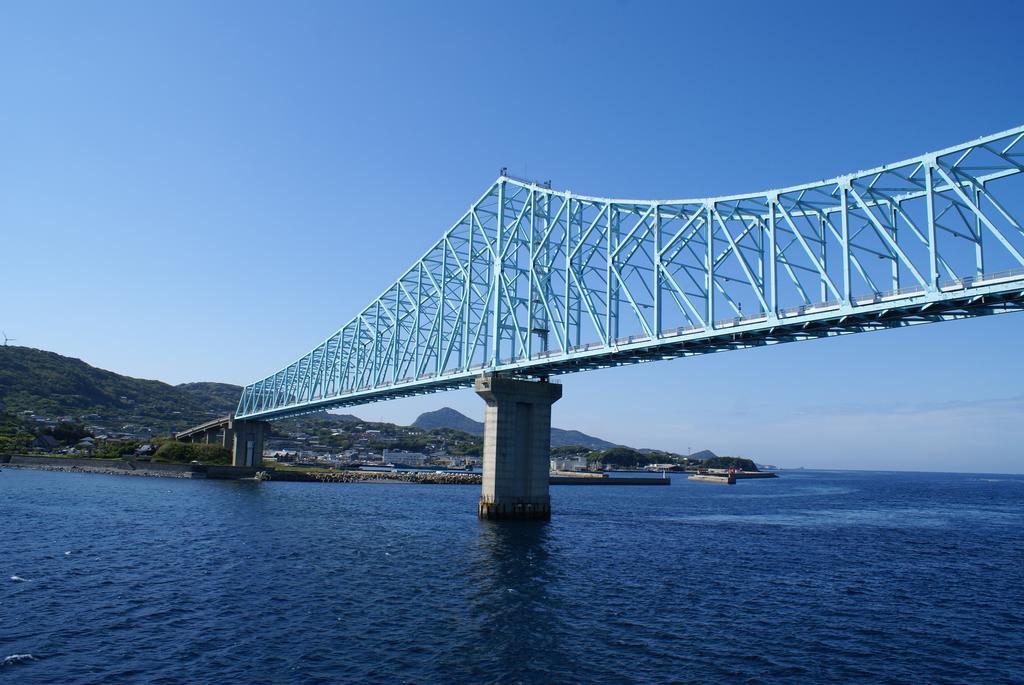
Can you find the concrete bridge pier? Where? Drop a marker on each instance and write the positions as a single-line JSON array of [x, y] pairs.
[[517, 447], [245, 440]]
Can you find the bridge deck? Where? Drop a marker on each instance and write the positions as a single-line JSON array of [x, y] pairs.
[[217, 423]]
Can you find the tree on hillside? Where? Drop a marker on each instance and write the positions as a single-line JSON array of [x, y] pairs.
[[68, 433], [115, 449], [730, 462], [186, 452], [570, 451], [15, 435], [619, 456]]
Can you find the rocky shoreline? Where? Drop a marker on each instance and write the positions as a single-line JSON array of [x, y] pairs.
[[101, 470]]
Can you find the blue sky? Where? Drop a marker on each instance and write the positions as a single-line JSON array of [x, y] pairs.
[[203, 191]]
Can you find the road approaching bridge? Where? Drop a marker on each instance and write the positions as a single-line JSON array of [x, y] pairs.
[[243, 438], [532, 282]]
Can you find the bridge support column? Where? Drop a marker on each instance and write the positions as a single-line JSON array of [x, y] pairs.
[[517, 447], [245, 440]]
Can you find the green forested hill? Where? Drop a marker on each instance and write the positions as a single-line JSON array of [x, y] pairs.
[[56, 387], [220, 397], [53, 385]]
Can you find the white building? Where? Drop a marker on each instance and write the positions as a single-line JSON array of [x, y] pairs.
[[407, 458], [577, 463]]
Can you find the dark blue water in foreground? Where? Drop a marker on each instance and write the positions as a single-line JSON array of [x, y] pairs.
[[816, 576]]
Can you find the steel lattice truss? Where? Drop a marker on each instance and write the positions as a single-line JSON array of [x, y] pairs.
[[534, 282]]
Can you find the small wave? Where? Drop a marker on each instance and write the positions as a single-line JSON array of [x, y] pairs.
[[819, 491], [17, 659], [19, 579], [880, 518]]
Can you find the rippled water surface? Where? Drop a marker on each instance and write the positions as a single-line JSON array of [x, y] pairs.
[[813, 577]]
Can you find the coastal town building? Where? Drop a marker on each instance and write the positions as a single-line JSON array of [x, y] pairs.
[[405, 458], [574, 463]]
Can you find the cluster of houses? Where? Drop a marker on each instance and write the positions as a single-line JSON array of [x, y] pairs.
[[87, 445], [386, 457], [363, 448], [93, 424]]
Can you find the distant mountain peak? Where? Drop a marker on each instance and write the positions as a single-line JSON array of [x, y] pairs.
[[345, 417], [446, 417]]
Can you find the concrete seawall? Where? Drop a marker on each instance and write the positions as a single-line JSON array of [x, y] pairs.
[[115, 467], [714, 478], [576, 480]]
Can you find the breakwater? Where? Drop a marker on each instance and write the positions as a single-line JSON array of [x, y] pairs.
[[441, 478], [420, 477], [723, 478], [578, 480], [127, 467]]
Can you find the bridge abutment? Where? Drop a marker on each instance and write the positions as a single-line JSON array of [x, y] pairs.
[[517, 447]]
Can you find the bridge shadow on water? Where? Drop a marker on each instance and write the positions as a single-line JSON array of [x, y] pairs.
[[519, 632]]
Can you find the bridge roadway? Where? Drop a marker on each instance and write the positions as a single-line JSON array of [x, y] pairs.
[[531, 282]]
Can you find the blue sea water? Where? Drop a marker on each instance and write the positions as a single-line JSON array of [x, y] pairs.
[[813, 577]]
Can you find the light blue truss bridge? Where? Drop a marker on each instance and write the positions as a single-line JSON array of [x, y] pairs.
[[532, 282]]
